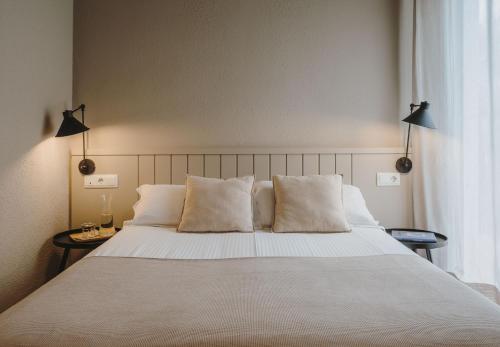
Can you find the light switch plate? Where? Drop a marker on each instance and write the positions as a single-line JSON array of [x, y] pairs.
[[388, 179], [101, 181]]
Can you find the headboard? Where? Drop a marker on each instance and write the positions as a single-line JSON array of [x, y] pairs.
[[391, 205]]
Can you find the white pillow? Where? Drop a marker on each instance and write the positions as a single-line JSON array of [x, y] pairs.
[[162, 204], [263, 204], [214, 204], [355, 207], [159, 204]]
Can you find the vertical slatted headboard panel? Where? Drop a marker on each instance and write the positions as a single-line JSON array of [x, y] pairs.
[[358, 167]]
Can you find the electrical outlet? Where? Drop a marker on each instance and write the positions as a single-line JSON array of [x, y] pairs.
[[101, 181], [388, 179]]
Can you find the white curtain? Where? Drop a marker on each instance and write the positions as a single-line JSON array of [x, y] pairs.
[[455, 65]]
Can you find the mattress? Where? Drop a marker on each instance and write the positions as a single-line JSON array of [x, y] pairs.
[[151, 287]]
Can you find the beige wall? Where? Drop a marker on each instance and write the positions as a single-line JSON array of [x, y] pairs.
[[159, 74], [36, 85]]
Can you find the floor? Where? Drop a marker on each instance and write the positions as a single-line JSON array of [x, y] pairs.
[[487, 290]]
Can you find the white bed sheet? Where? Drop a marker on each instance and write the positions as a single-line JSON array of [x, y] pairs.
[[166, 243]]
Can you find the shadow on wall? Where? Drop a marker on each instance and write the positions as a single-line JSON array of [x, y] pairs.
[[48, 126], [47, 254], [51, 256]]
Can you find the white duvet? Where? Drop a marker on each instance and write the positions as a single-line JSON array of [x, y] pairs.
[[166, 243]]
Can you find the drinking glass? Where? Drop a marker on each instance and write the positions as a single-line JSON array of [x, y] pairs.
[[88, 230]]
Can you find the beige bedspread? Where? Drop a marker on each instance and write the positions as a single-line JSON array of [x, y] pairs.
[[389, 300]]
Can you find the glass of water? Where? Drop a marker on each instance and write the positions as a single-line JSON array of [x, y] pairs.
[[88, 230]]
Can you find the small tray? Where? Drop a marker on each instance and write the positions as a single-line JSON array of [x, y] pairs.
[[78, 237]]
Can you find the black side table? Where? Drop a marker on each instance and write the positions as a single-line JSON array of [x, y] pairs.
[[64, 241], [441, 241]]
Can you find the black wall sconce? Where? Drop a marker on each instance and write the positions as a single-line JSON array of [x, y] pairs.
[[71, 126], [420, 117]]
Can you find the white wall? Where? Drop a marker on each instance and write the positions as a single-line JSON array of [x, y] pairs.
[[36, 86], [162, 74]]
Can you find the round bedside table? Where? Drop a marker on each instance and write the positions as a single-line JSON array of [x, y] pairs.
[[64, 241], [441, 241]]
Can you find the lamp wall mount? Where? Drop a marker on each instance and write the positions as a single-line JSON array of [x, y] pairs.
[[420, 117], [71, 126]]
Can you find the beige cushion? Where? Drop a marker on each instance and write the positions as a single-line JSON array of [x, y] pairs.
[[214, 204], [355, 208], [309, 204]]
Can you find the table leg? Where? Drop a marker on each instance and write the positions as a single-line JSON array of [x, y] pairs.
[[64, 260], [429, 255]]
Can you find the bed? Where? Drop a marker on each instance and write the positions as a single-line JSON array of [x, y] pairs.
[[152, 286]]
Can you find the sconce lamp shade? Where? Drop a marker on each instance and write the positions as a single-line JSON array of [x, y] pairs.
[[70, 125], [421, 116]]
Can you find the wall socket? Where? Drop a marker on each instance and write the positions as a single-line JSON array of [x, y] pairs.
[[100, 181], [388, 179]]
